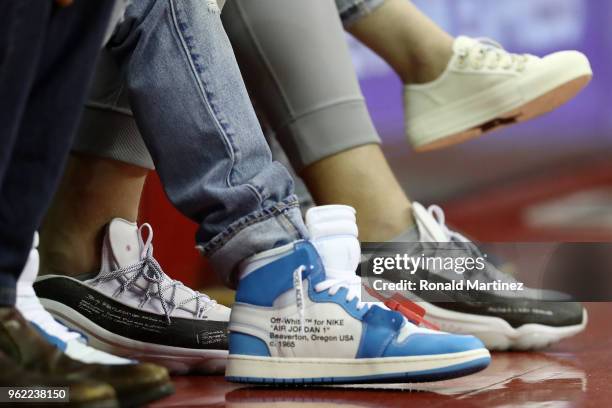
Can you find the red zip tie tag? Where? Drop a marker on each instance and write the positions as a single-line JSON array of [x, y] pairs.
[[410, 310], [407, 303], [406, 309]]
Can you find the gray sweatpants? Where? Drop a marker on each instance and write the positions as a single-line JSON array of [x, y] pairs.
[[297, 66]]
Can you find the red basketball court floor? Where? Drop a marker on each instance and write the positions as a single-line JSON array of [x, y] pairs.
[[575, 372], [572, 373]]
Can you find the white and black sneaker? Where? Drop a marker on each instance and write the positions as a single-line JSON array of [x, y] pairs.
[[70, 342], [502, 319], [133, 309]]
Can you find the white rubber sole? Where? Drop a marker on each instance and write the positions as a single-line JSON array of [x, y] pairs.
[[253, 369], [508, 103], [176, 359], [496, 333]]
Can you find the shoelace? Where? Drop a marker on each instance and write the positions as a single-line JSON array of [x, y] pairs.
[[482, 51], [437, 214], [34, 312], [491, 271], [332, 285], [158, 283]]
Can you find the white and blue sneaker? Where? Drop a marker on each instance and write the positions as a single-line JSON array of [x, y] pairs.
[[298, 319]]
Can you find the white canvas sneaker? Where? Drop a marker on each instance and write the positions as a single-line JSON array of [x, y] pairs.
[[298, 319], [485, 87], [133, 309], [72, 343]]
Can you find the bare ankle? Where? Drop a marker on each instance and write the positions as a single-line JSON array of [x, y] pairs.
[[427, 66], [68, 261], [384, 228]]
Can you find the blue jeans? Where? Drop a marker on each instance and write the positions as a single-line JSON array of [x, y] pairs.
[[193, 111], [47, 58], [315, 110]]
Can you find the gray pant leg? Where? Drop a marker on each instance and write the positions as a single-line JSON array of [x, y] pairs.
[[297, 65], [108, 128]]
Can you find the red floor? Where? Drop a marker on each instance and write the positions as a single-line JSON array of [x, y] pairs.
[[574, 373], [581, 193]]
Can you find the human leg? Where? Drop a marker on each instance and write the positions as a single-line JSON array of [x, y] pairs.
[[457, 89], [103, 180], [417, 49], [225, 177], [70, 39], [39, 128], [358, 176], [18, 75], [231, 183], [316, 110], [92, 192], [372, 189], [269, 242]]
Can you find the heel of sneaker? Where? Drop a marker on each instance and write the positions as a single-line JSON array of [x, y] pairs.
[[245, 344]]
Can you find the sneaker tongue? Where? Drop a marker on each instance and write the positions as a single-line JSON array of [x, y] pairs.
[[122, 243], [429, 228], [333, 231], [122, 248]]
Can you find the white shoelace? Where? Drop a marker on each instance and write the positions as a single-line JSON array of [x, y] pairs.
[[351, 282], [31, 308], [490, 52], [437, 213], [159, 285]]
